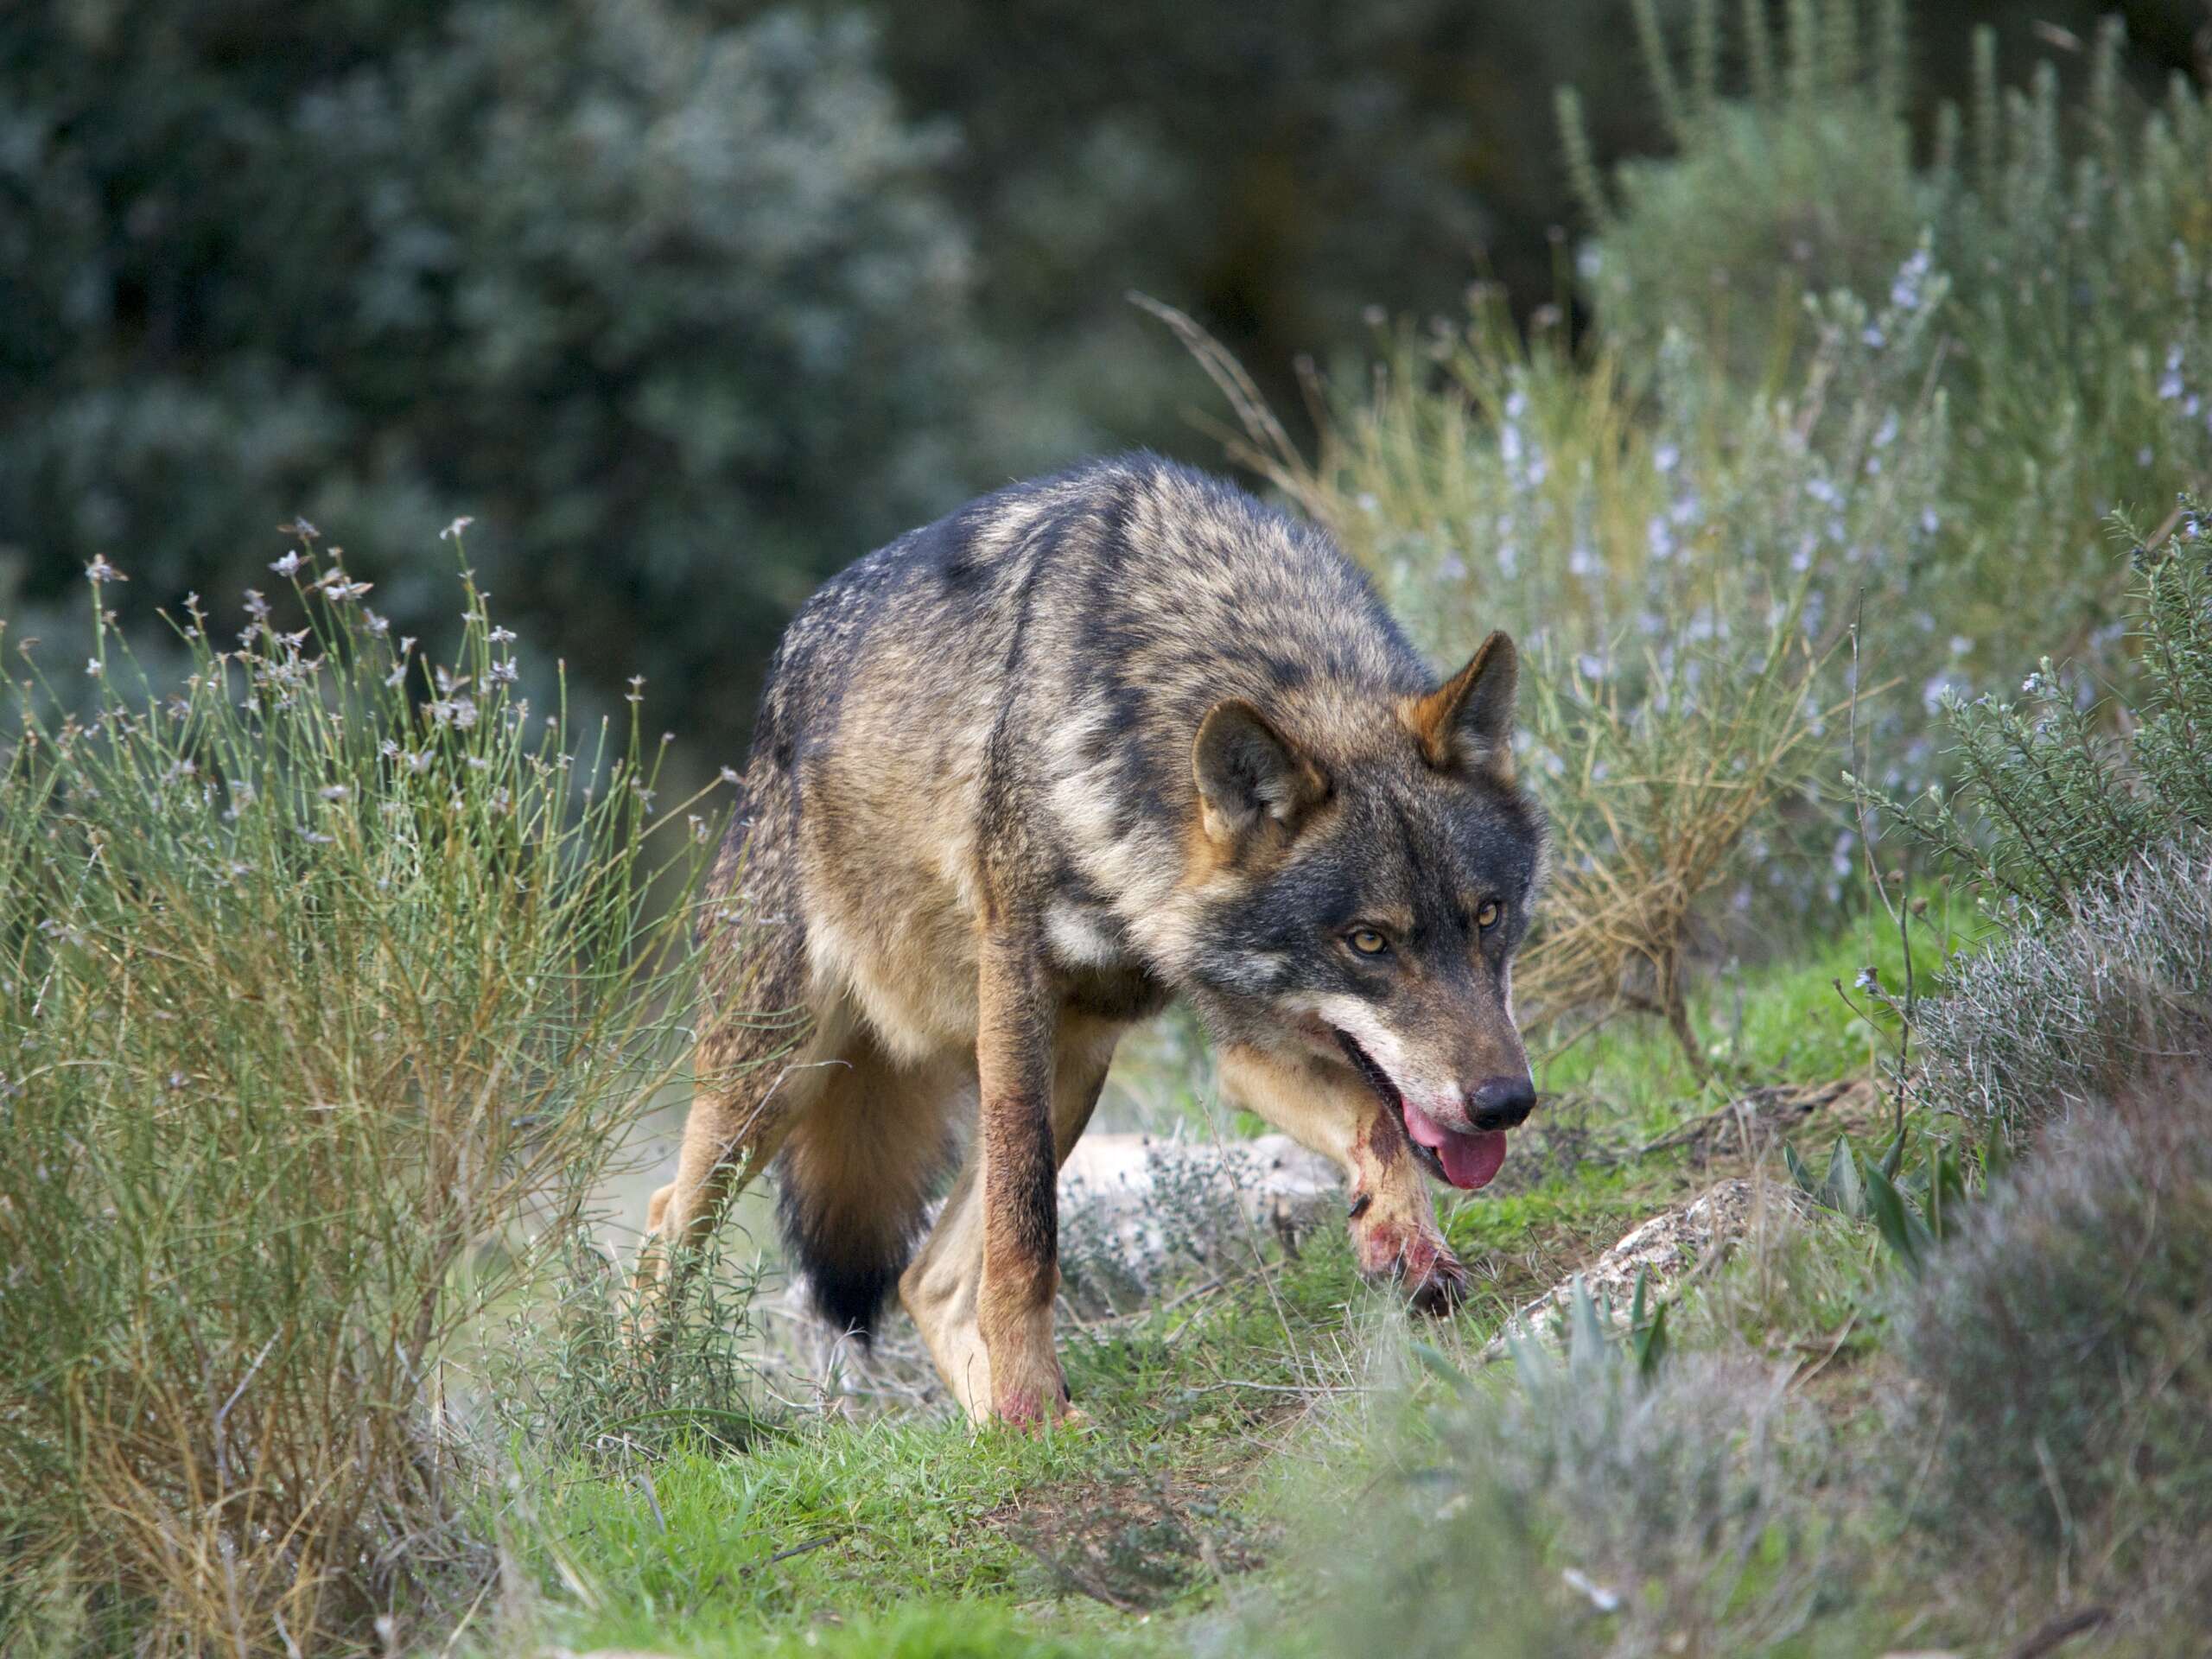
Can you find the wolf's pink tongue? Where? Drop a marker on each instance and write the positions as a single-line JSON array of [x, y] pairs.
[[1468, 1161], [1471, 1160]]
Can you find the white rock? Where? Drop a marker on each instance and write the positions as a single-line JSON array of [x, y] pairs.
[[1663, 1249]]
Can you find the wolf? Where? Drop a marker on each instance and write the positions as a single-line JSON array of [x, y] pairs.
[[1019, 779]]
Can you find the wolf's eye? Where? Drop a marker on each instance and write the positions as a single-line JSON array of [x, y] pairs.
[[1367, 942], [1486, 917]]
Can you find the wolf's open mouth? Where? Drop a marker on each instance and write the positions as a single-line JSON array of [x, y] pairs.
[[1466, 1160]]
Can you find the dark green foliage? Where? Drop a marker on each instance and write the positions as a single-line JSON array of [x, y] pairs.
[[691, 302], [2060, 1351], [2047, 807], [1276, 170], [663, 295]]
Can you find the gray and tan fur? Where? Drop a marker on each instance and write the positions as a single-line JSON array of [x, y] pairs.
[[1021, 777]]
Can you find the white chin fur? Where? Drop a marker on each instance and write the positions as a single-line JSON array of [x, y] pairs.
[[1357, 1021]]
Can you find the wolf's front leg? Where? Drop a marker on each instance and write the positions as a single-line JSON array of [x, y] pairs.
[[943, 1289], [1394, 1230], [1021, 1271]]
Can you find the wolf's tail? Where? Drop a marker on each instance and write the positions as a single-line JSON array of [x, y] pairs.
[[855, 1182]]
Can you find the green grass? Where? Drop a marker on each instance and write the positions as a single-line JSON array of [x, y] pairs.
[[1557, 1216], [1799, 1018], [931, 1631], [929, 1523], [681, 1551]]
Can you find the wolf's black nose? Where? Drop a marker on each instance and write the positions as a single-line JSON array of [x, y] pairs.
[[1500, 1102]]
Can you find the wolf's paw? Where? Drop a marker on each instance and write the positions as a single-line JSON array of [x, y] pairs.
[[1413, 1257], [1019, 1408], [1441, 1286], [1039, 1400]]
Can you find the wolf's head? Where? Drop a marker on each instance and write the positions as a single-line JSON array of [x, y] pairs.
[[1365, 888]]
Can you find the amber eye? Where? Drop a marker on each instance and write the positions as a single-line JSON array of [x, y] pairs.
[[1367, 942], [1486, 917]]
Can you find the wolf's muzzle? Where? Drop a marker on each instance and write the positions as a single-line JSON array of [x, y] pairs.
[[1500, 1102]]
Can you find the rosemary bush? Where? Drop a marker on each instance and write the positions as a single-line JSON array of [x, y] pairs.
[[329, 977], [2072, 1010], [573, 1375], [2090, 832], [1800, 183], [2059, 1350], [1878, 395], [1595, 1510]]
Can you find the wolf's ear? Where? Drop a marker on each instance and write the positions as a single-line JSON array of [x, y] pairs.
[[1466, 723], [1249, 772]]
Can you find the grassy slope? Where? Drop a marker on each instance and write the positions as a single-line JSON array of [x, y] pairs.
[[1203, 1454]]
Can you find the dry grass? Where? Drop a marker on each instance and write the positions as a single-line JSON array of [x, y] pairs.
[[1652, 820]]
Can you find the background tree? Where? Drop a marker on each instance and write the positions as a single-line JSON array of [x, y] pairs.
[[666, 296]]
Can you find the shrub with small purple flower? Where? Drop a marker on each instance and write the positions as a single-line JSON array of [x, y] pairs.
[[2055, 794], [332, 975]]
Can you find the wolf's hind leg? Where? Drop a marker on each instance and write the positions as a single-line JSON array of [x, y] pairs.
[[758, 1026], [857, 1173], [736, 1124], [943, 1291]]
